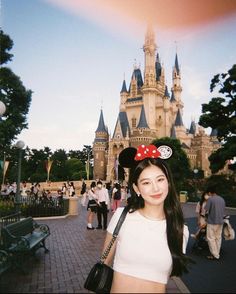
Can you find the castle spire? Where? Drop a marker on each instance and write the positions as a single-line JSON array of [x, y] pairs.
[[142, 121], [101, 125], [149, 49], [177, 64], [178, 120], [123, 89]]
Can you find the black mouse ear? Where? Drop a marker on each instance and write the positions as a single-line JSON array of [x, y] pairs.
[[126, 157]]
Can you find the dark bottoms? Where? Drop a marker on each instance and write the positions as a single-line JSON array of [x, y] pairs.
[[102, 215], [92, 206]]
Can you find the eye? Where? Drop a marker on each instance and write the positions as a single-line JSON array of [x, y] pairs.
[[161, 179], [145, 183]]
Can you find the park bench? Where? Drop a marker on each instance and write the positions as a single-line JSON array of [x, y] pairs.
[[5, 262], [23, 237]]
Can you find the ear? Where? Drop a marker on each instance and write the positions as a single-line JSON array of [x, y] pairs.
[[136, 189]]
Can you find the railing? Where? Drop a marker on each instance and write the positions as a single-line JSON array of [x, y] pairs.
[[35, 206]]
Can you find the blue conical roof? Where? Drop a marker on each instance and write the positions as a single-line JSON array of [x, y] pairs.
[[167, 92], [124, 123], [172, 99], [177, 64], [123, 89], [192, 128], [178, 120], [138, 77], [142, 121], [158, 67], [101, 125]]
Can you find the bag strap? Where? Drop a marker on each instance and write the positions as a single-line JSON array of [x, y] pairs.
[[115, 234]]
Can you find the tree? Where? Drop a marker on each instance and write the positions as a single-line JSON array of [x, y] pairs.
[[59, 171], [76, 169], [14, 95], [220, 114], [179, 163]]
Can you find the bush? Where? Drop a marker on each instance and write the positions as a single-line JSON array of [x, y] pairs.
[[7, 207]]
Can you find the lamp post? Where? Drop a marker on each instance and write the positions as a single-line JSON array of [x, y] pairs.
[[87, 164], [2, 108], [19, 145], [195, 180], [2, 111]]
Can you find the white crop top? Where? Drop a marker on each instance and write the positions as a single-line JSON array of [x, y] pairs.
[[142, 250]]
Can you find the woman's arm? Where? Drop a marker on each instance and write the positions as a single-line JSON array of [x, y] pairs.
[[109, 259]]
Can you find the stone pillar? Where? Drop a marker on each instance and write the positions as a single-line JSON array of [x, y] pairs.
[[73, 205]]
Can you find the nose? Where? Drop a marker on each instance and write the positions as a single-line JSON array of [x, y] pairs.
[[155, 186]]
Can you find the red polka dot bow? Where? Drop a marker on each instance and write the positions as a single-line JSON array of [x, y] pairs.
[[149, 151]]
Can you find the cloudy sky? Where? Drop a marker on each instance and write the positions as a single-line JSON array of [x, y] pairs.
[[74, 55]]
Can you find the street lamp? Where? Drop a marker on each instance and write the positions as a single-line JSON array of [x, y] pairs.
[[2, 111], [2, 108], [87, 164], [19, 145], [195, 177]]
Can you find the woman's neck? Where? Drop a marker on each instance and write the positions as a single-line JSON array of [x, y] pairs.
[[153, 212]]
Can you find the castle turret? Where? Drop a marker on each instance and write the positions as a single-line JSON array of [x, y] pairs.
[[100, 146], [149, 49]]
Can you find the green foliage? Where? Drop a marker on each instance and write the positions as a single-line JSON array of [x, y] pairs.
[[74, 167], [14, 95], [6, 208], [6, 46], [226, 187], [220, 114], [178, 163]]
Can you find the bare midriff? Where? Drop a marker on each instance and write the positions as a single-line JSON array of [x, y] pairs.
[[127, 284]]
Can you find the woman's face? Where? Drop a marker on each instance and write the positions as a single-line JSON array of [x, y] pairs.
[[152, 185], [206, 196]]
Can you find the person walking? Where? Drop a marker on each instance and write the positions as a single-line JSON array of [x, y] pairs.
[[92, 205], [201, 214], [215, 210], [152, 241], [103, 204], [64, 189], [71, 189], [116, 197], [83, 193]]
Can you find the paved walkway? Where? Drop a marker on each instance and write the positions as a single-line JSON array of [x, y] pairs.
[[73, 251]]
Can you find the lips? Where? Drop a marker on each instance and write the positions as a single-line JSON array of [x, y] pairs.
[[156, 196]]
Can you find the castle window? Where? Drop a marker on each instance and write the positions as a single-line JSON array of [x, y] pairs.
[[96, 155], [102, 163], [134, 122]]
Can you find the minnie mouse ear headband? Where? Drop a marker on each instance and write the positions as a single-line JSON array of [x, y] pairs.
[[130, 156]]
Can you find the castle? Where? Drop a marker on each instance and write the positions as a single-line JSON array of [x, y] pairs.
[[147, 112]]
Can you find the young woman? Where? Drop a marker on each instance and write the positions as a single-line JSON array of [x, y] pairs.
[[92, 205], [116, 197], [201, 214], [152, 240]]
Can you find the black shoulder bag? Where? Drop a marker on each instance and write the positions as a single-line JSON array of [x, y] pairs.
[[100, 277]]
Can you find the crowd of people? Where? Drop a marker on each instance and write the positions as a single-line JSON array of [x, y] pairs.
[[100, 198]]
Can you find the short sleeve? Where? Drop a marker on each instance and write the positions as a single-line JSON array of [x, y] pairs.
[[185, 238], [114, 220]]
